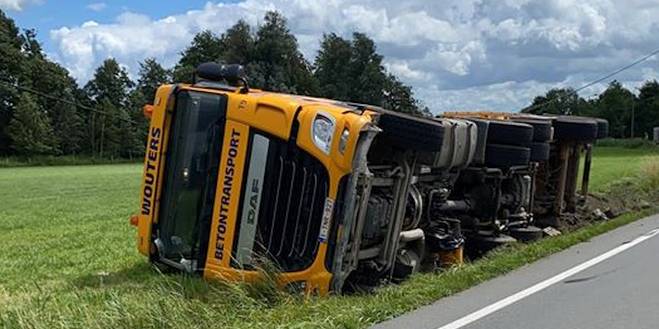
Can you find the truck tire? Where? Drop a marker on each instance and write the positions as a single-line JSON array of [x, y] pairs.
[[527, 234], [541, 129], [539, 152], [575, 129], [408, 132], [501, 156], [510, 133], [602, 128]]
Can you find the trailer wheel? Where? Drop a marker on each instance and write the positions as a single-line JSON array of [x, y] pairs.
[[509, 133], [602, 128], [539, 152], [498, 156], [574, 129], [408, 132], [541, 129]]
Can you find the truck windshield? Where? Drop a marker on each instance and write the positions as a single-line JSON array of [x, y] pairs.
[[190, 176]]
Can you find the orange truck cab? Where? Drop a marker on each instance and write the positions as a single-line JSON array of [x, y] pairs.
[[335, 194]]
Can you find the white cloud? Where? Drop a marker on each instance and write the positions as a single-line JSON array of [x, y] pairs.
[[97, 6], [457, 54], [16, 5]]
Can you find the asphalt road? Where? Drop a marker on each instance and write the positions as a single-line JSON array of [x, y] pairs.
[[618, 291]]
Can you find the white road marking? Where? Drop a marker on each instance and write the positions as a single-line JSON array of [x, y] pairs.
[[487, 310]]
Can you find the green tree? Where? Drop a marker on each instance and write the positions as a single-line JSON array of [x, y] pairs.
[[333, 67], [48, 78], [151, 76], [279, 65], [30, 44], [399, 97], [111, 82], [109, 92], [30, 128], [11, 63], [367, 71], [205, 47], [615, 105], [109, 129], [353, 71], [238, 44], [562, 101], [647, 109]]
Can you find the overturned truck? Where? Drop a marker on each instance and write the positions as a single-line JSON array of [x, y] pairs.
[[524, 176], [338, 196]]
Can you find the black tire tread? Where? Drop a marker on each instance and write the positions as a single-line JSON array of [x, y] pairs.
[[509, 133], [542, 130], [539, 151], [575, 129], [501, 156], [409, 132]]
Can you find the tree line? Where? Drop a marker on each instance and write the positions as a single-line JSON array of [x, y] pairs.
[[45, 112], [629, 114]]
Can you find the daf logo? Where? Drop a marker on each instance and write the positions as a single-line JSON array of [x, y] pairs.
[[253, 202]]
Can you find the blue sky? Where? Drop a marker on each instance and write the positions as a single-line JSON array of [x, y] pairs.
[[46, 15], [456, 54]]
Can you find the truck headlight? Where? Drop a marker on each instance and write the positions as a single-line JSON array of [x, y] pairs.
[[322, 130], [343, 141]]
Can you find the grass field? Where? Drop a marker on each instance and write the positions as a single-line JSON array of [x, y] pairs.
[[613, 163], [68, 260]]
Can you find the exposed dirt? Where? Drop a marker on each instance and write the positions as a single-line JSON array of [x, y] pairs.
[[623, 197]]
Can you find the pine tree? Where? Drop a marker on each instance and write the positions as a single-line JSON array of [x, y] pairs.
[[30, 128]]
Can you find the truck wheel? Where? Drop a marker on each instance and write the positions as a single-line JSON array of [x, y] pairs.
[[541, 129], [408, 132], [498, 156], [602, 128], [573, 129], [509, 133], [527, 234], [539, 152]]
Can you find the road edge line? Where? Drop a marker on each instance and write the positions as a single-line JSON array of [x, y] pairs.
[[496, 306]]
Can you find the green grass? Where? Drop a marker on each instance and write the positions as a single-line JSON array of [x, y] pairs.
[[65, 160], [615, 163], [68, 260]]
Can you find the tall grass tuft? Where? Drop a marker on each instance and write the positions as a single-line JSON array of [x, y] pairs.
[[650, 176]]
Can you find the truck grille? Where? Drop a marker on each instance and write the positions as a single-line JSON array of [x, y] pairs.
[[294, 192]]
